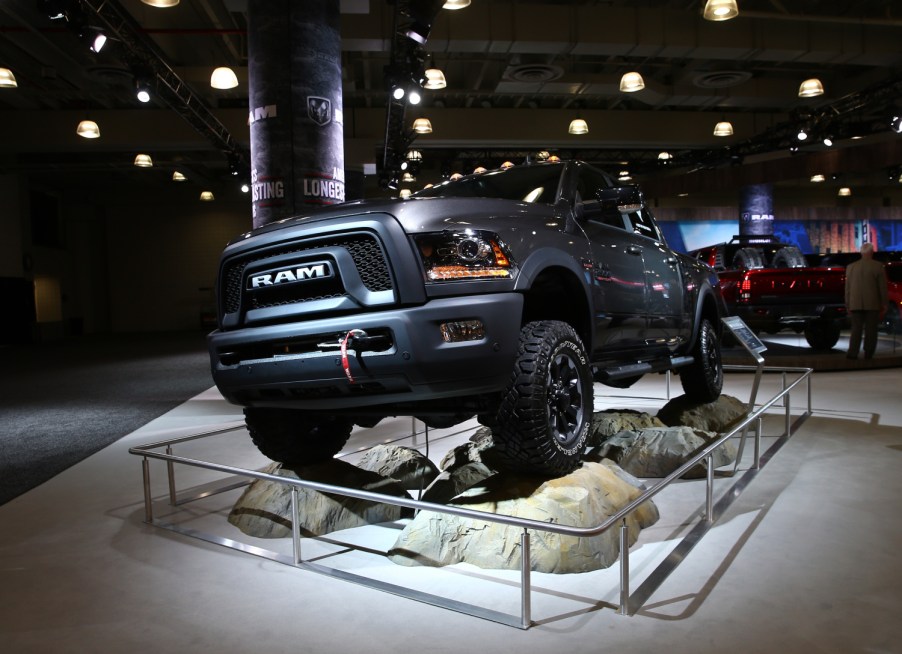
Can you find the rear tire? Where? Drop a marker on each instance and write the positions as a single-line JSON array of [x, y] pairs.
[[702, 380], [822, 334], [545, 414], [297, 437]]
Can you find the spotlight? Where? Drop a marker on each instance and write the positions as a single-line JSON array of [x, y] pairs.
[[98, 42], [398, 93], [94, 37], [828, 141], [802, 135], [142, 91], [413, 97], [896, 124]]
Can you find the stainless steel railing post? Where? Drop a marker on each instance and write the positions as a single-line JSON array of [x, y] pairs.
[[788, 400], [170, 471], [758, 427], [148, 505], [525, 584], [295, 527], [709, 488], [624, 568]]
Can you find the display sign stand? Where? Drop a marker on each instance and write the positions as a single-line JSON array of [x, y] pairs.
[[753, 345]]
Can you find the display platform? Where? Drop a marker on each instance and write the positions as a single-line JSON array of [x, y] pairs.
[[803, 561], [790, 350]]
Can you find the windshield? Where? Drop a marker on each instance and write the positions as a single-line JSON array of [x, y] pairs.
[[536, 183]]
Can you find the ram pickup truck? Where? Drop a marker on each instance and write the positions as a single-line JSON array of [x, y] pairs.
[[772, 288], [503, 295]]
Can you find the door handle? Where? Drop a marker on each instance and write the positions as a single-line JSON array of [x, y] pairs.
[[634, 249]]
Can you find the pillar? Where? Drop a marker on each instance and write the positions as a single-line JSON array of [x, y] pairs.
[[756, 210], [295, 113]]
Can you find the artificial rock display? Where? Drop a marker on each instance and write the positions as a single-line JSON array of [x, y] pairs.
[[584, 498]]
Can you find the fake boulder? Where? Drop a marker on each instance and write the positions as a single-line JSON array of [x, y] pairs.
[[264, 509], [406, 465], [609, 423], [717, 416], [658, 452], [584, 498]]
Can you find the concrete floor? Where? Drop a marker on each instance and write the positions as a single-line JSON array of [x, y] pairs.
[[805, 560]]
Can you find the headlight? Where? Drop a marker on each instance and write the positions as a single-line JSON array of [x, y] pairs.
[[464, 255]]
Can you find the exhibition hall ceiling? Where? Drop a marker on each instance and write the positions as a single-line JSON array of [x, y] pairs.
[[517, 73]]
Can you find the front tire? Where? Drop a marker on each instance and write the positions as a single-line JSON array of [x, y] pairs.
[[702, 380], [545, 414], [295, 437]]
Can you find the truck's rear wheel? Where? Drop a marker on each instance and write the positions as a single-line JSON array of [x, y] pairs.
[[703, 380], [545, 414], [822, 334], [296, 437]]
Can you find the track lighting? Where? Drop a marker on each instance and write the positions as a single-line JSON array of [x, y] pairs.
[[142, 91]]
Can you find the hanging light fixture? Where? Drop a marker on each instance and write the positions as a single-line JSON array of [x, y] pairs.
[[664, 156], [479, 170], [142, 90], [143, 161], [506, 165], [720, 10], [88, 129], [161, 3], [223, 78], [844, 192], [408, 177], [177, 176], [456, 4], [206, 196], [405, 193], [811, 88], [631, 82], [7, 79], [723, 128], [818, 178], [435, 79], [578, 126], [414, 155], [422, 126]]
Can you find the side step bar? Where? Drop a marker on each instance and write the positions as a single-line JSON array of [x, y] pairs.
[[641, 368]]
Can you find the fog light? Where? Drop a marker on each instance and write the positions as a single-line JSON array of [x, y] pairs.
[[462, 330]]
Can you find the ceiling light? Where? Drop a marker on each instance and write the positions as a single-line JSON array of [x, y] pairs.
[[818, 178], [720, 10], [506, 165], [398, 92], [223, 78], [414, 155], [408, 177], [94, 37], [578, 126], [811, 88], [456, 4], [664, 156], [624, 176], [161, 3], [435, 79], [245, 188], [7, 79], [828, 141], [723, 128], [88, 129], [405, 193], [422, 126], [142, 91], [143, 161], [414, 97], [844, 192], [896, 124], [177, 176], [802, 135], [206, 196], [631, 82], [479, 170]]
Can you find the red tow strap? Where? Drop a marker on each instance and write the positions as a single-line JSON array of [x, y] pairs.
[[345, 364]]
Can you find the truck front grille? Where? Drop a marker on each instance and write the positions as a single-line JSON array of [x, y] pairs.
[[364, 249]]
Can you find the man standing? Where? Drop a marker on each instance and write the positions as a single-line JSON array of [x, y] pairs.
[[865, 299]]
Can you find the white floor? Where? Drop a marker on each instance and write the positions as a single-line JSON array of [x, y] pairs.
[[806, 560]]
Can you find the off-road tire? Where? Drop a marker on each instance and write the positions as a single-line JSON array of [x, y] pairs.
[[789, 257], [822, 334], [295, 437], [702, 380], [545, 414], [749, 258]]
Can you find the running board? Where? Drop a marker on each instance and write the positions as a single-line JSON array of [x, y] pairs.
[[642, 368]]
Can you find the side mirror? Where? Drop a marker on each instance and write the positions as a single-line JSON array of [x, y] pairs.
[[624, 199]]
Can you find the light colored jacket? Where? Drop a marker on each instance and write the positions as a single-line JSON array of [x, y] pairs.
[[866, 286]]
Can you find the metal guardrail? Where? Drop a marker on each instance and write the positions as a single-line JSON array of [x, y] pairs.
[[629, 604]]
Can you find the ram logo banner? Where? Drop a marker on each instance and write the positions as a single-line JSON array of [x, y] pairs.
[[319, 110], [319, 270], [261, 113]]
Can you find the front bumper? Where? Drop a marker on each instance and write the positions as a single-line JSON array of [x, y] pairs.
[[299, 364]]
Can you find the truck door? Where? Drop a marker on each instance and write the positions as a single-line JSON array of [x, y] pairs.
[[667, 322], [618, 277]]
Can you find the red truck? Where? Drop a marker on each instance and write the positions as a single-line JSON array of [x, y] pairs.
[[772, 288]]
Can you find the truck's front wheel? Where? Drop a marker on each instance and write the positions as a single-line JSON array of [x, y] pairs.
[[545, 414], [296, 437], [703, 380]]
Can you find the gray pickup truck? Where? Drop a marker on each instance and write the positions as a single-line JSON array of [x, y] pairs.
[[502, 295]]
